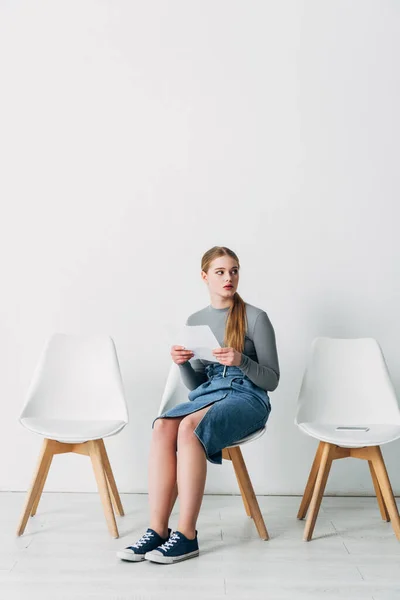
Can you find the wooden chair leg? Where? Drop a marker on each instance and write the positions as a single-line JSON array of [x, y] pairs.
[[245, 502], [386, 488], [33, 496], [43, 479], [116, 500], [312, 478], [379, 497], [96, 456], [247, 487], [328, 451], [242, 492]]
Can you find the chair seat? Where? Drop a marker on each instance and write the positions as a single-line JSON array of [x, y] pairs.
[[72, 431], [376, 434], [249, 438]]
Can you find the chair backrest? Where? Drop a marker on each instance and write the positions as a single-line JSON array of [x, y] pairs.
[[347, 381], [77, 377], [175, 391]]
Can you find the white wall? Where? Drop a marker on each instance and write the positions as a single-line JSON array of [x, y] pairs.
[[136, 135]]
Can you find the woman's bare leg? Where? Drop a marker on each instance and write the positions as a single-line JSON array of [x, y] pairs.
[[191, 473], [162, 473]]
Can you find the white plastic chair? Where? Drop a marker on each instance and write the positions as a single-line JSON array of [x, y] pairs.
[[76, 399], [347, 402], [175, 392]]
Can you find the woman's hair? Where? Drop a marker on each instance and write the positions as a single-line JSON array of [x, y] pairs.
[[236, 323]]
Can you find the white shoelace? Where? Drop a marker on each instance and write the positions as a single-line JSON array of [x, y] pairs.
[[172, 540], [143, 540]]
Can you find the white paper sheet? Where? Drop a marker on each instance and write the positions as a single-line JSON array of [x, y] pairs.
[[201, 340]]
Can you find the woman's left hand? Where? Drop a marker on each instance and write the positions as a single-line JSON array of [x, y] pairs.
[[228, 356]]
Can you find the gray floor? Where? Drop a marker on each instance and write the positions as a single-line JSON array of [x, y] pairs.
[[66, 552]]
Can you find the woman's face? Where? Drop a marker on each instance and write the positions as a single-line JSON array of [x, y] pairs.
[[223, 272]]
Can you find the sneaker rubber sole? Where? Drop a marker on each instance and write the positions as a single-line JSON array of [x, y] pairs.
[[129, 555], [154, 556]]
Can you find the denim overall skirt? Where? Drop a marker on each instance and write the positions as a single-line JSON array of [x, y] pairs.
[[239, 408]]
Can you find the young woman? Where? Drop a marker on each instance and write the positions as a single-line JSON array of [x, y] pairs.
[[228, 400]]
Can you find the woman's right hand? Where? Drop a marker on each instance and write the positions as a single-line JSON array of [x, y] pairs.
[[180, 354]]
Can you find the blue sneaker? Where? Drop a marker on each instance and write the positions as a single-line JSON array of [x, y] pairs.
[[149, 541], [177, 548]]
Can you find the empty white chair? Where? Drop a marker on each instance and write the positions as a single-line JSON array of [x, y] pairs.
[[176, 392], [347, 402], [76, 399]]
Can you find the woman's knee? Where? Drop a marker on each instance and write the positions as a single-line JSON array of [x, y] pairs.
[[187, 427], [166, 429]]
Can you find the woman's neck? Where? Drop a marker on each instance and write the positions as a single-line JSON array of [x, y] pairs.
[[220, 305]]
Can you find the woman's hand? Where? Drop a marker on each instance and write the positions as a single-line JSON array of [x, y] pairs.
[[180, 354], [228, 356]]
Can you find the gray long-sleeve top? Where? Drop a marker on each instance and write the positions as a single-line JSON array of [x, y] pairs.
[[259, 358]]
